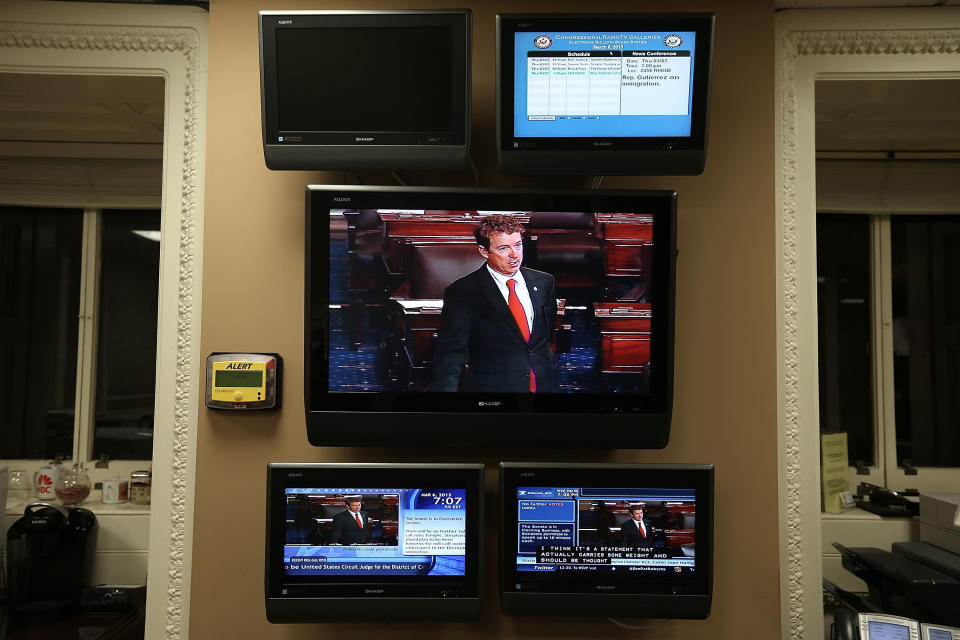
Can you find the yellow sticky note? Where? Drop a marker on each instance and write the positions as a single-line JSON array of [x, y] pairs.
[[833, 468]]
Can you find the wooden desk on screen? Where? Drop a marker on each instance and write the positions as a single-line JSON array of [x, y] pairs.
[[624, 336]]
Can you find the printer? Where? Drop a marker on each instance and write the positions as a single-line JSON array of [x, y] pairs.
[[940, 520]]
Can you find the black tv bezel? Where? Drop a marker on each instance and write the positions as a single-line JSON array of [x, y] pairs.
[[368, 150], [378, 598], [612, 598], [609, 155], [472, 419]]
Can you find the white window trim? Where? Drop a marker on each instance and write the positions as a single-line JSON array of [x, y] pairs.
[[89, 318], [52, 37], [908, 43], [881, 312]]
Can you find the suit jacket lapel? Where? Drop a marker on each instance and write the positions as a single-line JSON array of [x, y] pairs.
[[537, 300]]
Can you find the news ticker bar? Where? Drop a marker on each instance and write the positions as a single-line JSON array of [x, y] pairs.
[[666, 562], [340, 490]]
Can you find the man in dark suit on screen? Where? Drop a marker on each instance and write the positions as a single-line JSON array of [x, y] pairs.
[[636, 532], [497, 319], [351, 526]]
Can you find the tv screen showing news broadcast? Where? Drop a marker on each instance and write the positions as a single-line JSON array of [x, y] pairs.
[[344, 537], [621, 530], [375, 532], [631, 530], [459, 301]]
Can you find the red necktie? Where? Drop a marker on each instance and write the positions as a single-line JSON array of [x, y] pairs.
[[516, 309], [643, 532], [359, 522]]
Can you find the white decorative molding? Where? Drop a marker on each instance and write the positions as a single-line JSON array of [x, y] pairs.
[[790, 329], [797, 205], [877, 42], [181, 48]]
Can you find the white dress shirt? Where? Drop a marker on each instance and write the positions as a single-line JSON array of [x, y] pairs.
[[521, 289]]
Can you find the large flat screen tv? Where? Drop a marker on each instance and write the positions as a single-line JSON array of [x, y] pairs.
[[411, 340], [350, 90], [631, 540], [373, 541], [603, 94]]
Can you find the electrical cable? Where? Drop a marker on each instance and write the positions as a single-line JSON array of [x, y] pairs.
[[638, 628]]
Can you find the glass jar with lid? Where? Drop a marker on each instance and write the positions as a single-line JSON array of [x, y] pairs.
[[140, 483]]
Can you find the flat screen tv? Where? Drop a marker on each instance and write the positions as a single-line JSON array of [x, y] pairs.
[[352, 90], [630, 540], [603, 94], [411, 340], [373, 541]]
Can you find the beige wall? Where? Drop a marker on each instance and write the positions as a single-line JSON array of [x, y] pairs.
[[725, 404]]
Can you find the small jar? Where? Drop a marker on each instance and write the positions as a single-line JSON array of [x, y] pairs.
[[140, 487]]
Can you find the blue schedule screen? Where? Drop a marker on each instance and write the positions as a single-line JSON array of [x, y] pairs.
[[405, 532], [603, 84]]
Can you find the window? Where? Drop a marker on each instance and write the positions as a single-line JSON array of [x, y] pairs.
[[79, 313], [888, 289]]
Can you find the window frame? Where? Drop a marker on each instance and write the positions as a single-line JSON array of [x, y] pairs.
[[85, 392], [885, 471]]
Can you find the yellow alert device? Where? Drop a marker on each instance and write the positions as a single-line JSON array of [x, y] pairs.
[[243, 380]]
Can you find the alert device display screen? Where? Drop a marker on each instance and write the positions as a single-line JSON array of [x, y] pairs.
[[238, 378], [603, 83]]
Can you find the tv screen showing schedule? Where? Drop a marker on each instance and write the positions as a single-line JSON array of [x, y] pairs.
[[603, 84]]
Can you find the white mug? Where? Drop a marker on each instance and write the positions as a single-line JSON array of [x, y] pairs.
[[114, 490], [44, 480]]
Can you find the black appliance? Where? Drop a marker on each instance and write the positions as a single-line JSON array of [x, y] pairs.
[[50, 553]]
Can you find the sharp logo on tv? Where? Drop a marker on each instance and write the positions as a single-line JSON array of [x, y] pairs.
[[364, 139]]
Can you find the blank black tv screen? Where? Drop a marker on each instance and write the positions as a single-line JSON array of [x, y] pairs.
[[366, 89], [384, 79], [632, 540]]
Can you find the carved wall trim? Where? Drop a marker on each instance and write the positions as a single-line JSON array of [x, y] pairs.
[[183, 47], [797, 45]]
